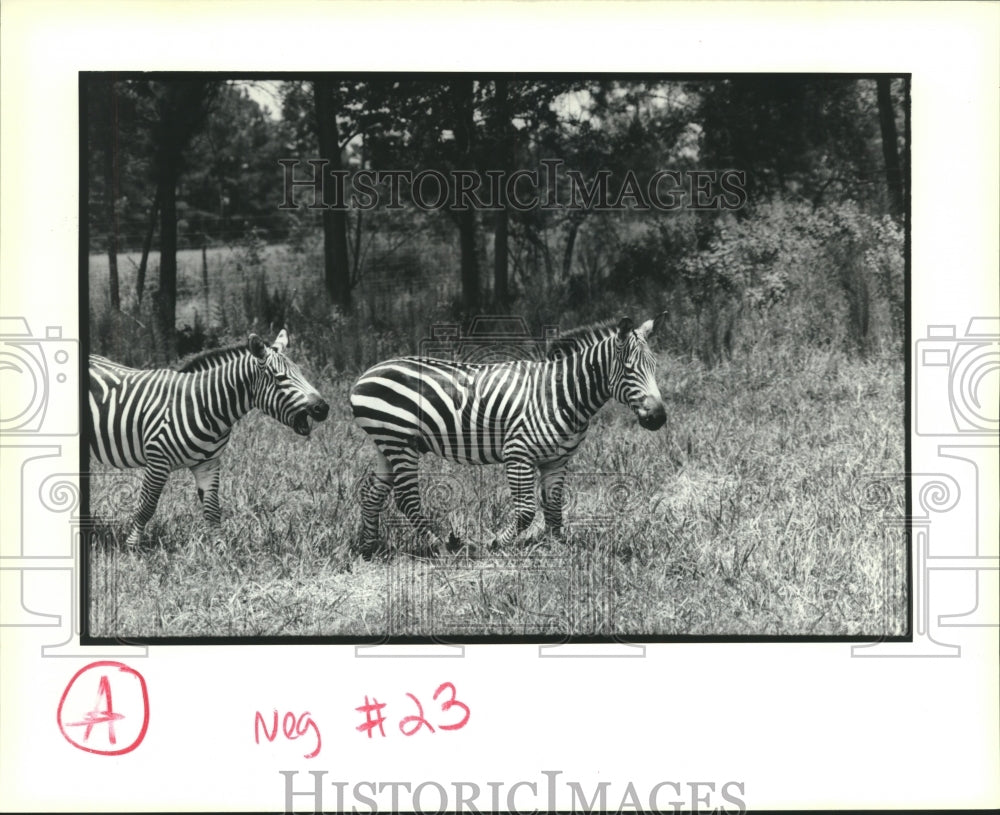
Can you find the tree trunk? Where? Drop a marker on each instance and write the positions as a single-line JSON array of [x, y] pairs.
[[147, 244], [111, 190], [501, 292], [204, 279], [541, 249], [887, 122], [464, 141], [182, 106], [501, 295], [355, 266], [167, 293], [336, 269], [574, 229], [469, 267], [356, 248]]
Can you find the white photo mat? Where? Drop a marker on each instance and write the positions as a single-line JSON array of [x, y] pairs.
[[790, 725]]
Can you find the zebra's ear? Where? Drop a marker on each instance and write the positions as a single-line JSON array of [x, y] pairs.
[[257, 347], [659, 321], [281, 341], [624, 327], [652, 326]]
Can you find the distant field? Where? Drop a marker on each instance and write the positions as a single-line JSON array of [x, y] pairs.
[[742, 516], [264, 290], [224, 278]]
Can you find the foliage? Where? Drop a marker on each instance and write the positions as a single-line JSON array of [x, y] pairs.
[[830, 275], [230, 182], [813, 254], [788, 271], [811, 136]]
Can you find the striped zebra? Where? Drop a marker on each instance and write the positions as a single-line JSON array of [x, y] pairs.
[[165, 419], [529, 416]]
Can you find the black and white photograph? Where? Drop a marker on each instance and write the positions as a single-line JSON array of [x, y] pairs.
[[447, 406], [510, 356]]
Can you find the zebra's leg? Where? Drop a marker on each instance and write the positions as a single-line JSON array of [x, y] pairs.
[[374, 496], [157, 470], [206, 477], [521, 479], [552, 477], [407, 494]]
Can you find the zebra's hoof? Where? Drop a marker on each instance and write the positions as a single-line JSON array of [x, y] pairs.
[[457, 548], [370, 550]]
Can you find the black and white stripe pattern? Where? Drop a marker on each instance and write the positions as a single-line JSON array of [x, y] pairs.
[[164, 419], [528, 416]]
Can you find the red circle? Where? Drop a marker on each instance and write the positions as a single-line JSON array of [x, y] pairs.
[[122, 668]]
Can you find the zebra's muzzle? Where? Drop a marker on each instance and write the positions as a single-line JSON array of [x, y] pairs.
[[651, 418], [317, 411]]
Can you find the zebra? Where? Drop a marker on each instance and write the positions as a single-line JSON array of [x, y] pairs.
[[528, 415], [164, 419]]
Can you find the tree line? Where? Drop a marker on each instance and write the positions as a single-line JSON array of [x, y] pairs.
[[187, 161]]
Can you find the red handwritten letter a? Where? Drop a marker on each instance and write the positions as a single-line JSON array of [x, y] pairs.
[[98, 716]]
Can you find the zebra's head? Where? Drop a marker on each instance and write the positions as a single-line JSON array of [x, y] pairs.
[[279, 388], [633, 372]]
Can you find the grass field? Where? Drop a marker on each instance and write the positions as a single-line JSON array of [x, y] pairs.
[[742, 516]]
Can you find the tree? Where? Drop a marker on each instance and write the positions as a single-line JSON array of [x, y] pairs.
[[229, 185], [328, 115], [102, 107], [504, 155], [147, 245], [111, 193], [464, 124], [814, 137], [336, 268], [179, 108], [887, 125], [119, 174]]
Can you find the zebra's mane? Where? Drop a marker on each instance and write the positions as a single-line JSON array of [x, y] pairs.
[[579, 339], [203, 360]]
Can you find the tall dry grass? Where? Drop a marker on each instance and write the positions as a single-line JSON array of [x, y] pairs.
[[741, 516]]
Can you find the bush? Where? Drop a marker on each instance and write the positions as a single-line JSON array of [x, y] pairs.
[[829, 276]]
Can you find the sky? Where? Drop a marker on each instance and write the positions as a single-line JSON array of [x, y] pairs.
[[265, 93]]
